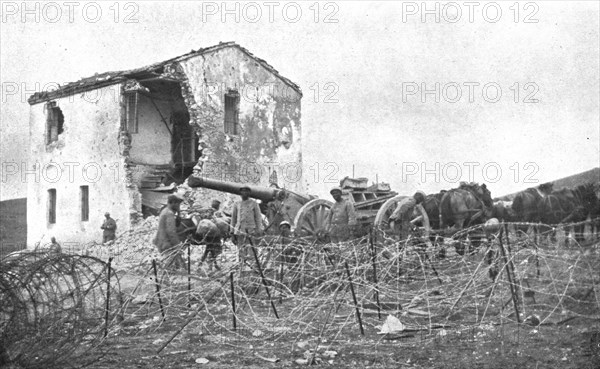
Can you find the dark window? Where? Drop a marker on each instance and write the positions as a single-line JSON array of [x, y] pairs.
[[85, 203], [54, 123], [131, 111], [52, 206], [232, 105]]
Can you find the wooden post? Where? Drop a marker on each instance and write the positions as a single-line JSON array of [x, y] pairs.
[[510, 276], [189, 270], [162, 311], [233, 301], [374, 262], [264, 281], [326, 251], [432, 267], [510, 261], [107, 296], [362, 331], [399, 249], [398, 277], [280, 274]]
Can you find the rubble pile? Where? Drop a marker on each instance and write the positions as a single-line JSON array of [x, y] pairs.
[[131, 248]]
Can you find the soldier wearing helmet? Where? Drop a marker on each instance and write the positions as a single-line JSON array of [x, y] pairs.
[[285, 233]]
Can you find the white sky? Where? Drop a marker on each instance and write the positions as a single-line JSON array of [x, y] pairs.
[[369, 55]]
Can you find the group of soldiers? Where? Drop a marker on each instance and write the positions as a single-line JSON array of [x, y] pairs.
[[247, 226], [246, 223], [109, 231]]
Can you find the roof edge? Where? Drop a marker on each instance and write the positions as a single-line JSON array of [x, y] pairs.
[[70, 90], [111, 78]]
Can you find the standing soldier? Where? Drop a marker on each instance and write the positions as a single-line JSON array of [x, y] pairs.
[[341, 219], [166, 235], [110, 228], [246, 221], [54, 246]]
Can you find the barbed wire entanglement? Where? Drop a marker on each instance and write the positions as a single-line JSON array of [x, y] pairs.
[[502, 281], [448, 291], [55, 308]]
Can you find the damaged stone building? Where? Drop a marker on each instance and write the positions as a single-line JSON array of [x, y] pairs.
[[118, 141]]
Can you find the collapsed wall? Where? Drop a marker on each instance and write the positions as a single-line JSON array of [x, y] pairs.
[[246, 122], [269, 136]]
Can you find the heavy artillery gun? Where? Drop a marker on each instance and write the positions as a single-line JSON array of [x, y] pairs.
[[281, 204], [307, 213]]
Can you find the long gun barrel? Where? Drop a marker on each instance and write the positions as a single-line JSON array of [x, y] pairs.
[[283, 204], [265, 194]]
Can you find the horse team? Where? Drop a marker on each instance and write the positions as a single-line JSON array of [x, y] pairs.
[[542, 208], [550, 208]]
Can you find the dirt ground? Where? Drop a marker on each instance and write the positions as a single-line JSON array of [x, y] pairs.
[[473, 337], [570, 346]]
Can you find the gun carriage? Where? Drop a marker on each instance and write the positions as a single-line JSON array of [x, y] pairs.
[[308, 214]]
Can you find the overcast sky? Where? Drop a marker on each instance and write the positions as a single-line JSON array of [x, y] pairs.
[[371, 61]]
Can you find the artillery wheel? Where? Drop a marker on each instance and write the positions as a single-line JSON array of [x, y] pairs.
[[310, 220], [382, 219]]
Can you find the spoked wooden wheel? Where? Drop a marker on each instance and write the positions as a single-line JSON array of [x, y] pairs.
[[382, 219], [310, 220], [387, 228]]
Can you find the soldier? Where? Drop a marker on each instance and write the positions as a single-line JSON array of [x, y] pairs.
[[246, 220], [341, 219], [404, 214], [209, 234], [109, 228], [54, 246], [290, 251], [166, 235], [216, 205], [285, 230]]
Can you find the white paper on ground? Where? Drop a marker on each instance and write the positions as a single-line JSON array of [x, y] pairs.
[[391, 325]]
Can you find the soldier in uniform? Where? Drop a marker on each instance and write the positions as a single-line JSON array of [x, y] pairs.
[[403, 215], [166, 236], [216, 205], [54, 246], [341, 219], [290, 251], [109, 228], [209, 234], [246, 220]]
